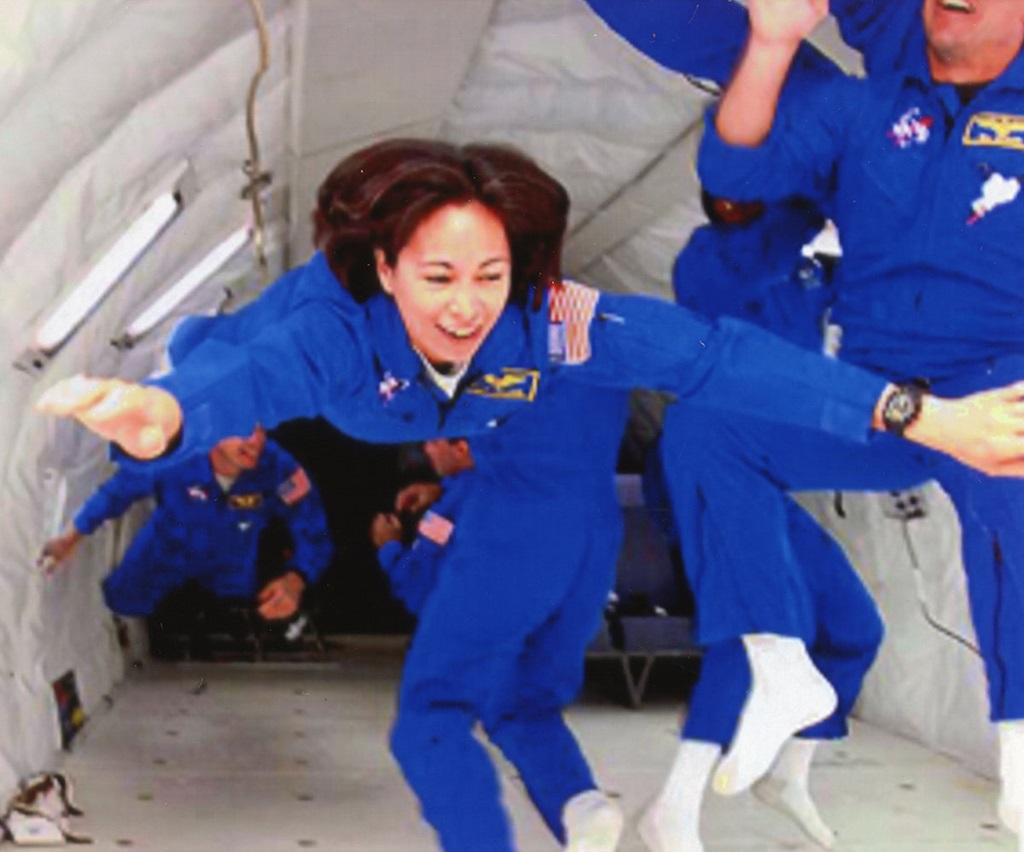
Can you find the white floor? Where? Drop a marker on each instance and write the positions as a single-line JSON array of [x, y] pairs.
[[273, 757]]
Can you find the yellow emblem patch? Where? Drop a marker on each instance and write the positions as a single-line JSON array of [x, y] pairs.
[[511, 383], [245, 501], [995, 130]]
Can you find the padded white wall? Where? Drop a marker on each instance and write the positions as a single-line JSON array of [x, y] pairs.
[[924, 684], [99, 103]]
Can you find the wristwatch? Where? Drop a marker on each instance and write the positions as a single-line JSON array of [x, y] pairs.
[[902, 407]]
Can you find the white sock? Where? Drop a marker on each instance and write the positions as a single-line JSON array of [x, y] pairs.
[[786, 788], [593, 823], [787, 694], [1011, 774], [671, 823]]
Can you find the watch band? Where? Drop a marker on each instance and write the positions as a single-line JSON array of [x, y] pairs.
[[902, 407]]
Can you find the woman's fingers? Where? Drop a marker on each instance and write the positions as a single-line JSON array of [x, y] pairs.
[[69, 396], [142, 419]]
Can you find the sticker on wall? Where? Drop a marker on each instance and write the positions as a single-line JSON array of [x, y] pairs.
[[69, 708]]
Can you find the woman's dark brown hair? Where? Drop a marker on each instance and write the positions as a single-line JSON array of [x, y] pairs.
[[377, 197]]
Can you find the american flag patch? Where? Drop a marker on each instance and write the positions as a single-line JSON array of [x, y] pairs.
[[294, 488], [571, 310], [435, 527]]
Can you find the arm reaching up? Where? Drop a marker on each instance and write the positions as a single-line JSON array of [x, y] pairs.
[[747, 110]]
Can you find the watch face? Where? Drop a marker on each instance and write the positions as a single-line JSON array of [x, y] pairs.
[[902, 406], [901, 409]]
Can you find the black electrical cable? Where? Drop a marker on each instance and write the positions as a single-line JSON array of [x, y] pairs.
[[919, 583]]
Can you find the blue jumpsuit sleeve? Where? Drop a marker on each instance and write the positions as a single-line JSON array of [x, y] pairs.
[[728, 364], [302, 510], [412, 571], [389, 555], [701, 38], [879, 29], [312, 539], [292, 368], [113, 497], [798, 157]]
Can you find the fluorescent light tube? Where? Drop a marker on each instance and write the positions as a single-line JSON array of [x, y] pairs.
[[107, 272], [185, 286]]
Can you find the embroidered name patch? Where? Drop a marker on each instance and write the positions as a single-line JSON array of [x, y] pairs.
[[511, 383], [245, 501], [995, 130], [571, 310]]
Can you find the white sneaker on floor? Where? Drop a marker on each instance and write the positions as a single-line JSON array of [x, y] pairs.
[[593, 823]]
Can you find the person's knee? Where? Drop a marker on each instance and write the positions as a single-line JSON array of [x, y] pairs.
[[418, 733]]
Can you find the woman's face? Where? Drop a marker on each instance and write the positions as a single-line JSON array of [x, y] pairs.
[[451, 281]]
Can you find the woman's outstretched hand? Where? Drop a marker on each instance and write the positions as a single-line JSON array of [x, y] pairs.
[[142, 420]]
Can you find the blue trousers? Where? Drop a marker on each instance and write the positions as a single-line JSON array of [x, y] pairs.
[[145, 576], [748, 574], [501, 641]]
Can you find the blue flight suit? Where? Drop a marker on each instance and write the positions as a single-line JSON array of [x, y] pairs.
[[198, 531], [929, 287], [520, 591]]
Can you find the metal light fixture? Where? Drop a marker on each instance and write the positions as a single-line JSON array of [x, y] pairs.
[[105, 274], [191, 281]]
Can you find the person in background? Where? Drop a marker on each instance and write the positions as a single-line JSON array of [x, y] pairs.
[[410, 551], [210, 511]]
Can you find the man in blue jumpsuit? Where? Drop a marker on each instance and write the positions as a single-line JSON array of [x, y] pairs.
[[747, 263], [925, 165], [210, 512]]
